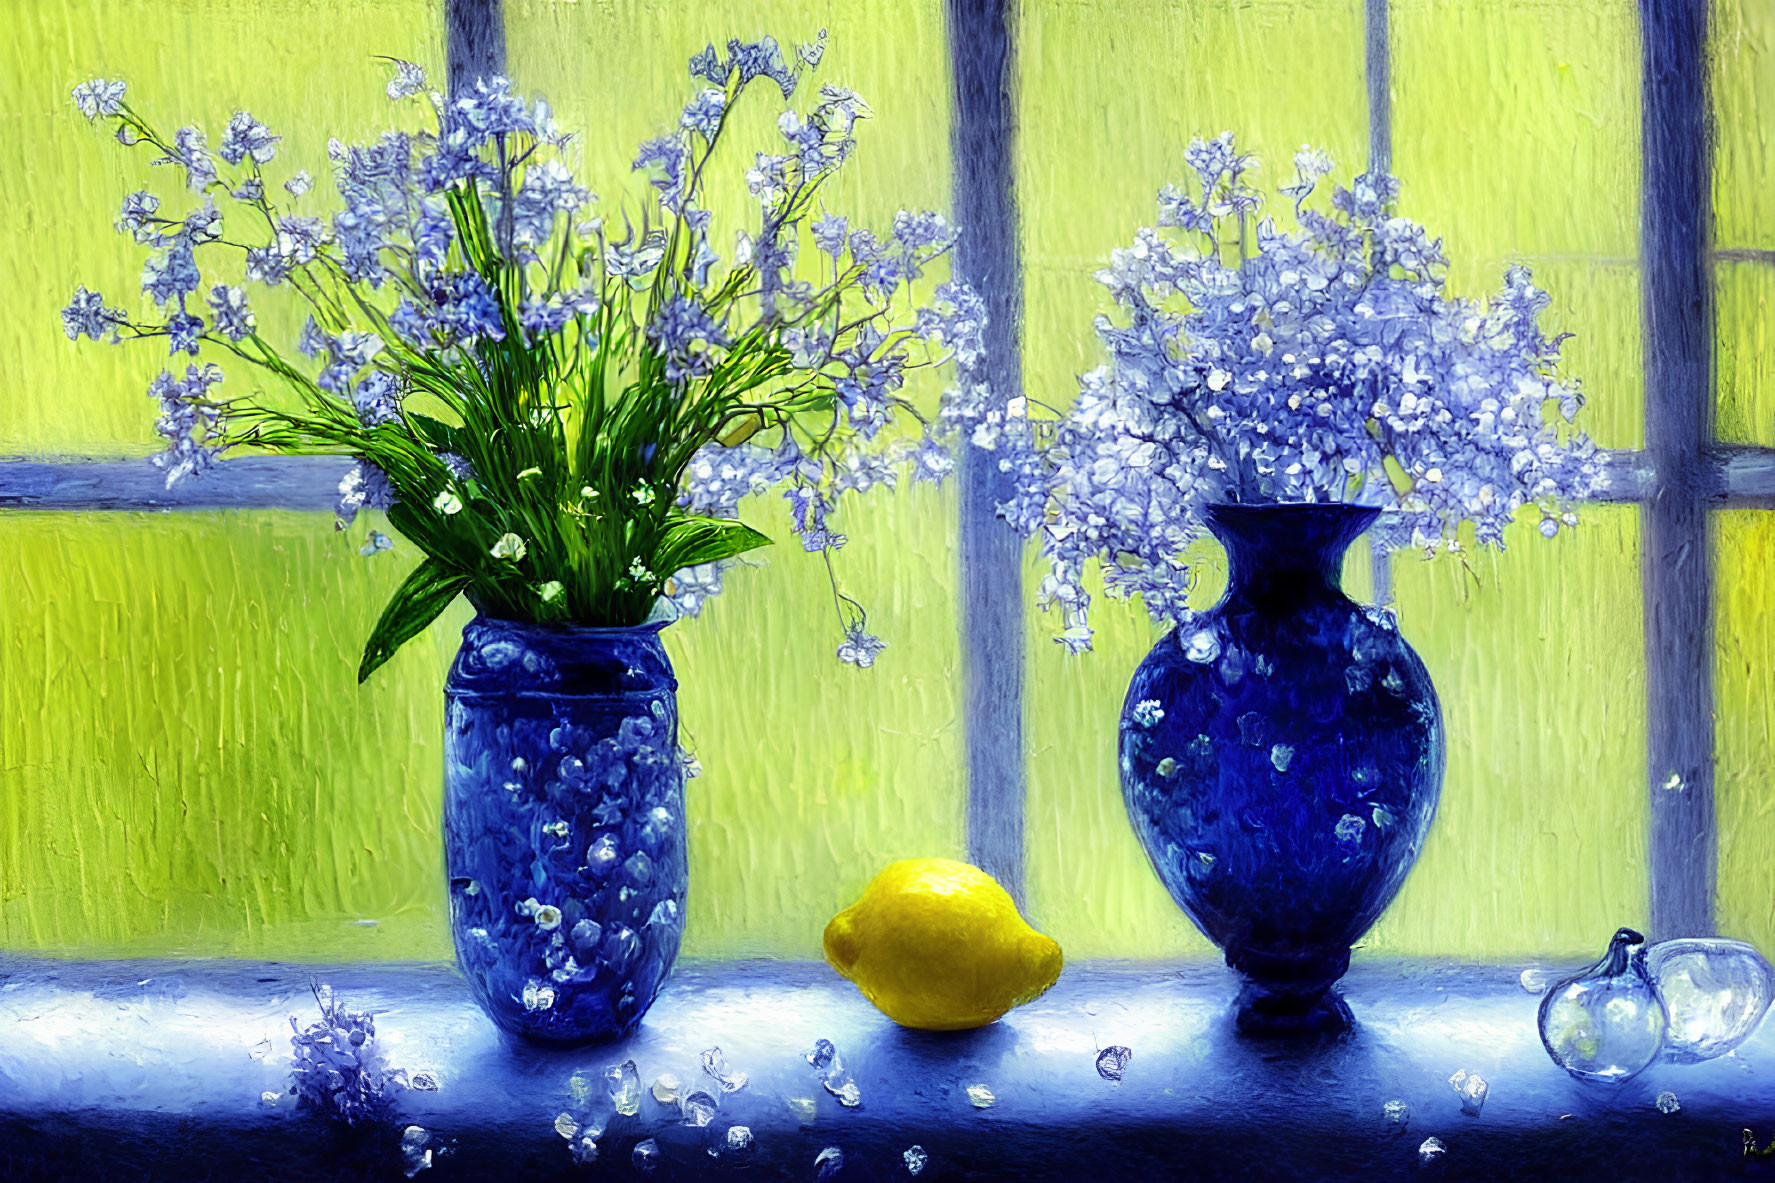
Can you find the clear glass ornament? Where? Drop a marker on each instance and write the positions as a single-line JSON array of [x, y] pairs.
[[1715, 991], [1608, 1022]]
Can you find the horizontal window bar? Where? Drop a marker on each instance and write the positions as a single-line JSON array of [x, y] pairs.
[[257, 482], [1736, 475]]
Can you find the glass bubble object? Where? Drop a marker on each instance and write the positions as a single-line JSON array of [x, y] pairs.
[[1608, 1022], [1715, 992]]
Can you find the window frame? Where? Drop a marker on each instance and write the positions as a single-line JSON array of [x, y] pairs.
[[1678, 479]]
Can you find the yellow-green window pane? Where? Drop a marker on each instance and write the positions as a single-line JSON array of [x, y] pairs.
[[1744, 351], [816, 774], [1742, 55], [190, 767], [306, 68], [1599, 304], [618, 73], [1110, 95], [1537, 652], [1516, 138], [1744, 736]]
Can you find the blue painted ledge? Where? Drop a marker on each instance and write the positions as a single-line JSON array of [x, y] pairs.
[[136, 1070]]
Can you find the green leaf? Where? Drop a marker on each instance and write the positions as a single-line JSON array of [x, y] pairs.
[[419, 599], [443, 437], [690, 541]]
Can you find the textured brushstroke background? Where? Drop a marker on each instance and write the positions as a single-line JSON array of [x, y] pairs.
[[186, 764]]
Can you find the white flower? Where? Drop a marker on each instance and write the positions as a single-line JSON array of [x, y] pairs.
[[509, 547]]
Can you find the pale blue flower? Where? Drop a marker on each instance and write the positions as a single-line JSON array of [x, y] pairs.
[[540, 317], [299, 184], [931, 461], [548, 189], [299, 238], [690, 589], [187, 421], [464, 308], [664, 159], [377, 399], [860, 648], [98, 97], [831, 233], [955, 317], [246, 136], [810, 53], [709, 65], [87, 315], [490, 110], [337, 1068], [137, 218], [718, 477], [408, 80], [314, 341], [919, 231], [378, 175], [768, 178], [363, 233], [171, 274], [183, 331], [189, 150], [408, 321], [703, 113], [433, 233], [676, 331], [348, 354], [364, 486], [1322, 366], [228, 307], [761, 59], [267, 265], [203, 224], [454, 161]]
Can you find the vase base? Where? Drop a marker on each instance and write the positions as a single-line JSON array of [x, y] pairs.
[[1265, 1015]]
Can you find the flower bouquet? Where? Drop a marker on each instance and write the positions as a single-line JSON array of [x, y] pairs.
[[562, 416], [1281, 382]]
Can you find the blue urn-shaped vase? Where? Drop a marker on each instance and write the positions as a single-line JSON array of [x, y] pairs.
[[564, 826], [1281, 758]]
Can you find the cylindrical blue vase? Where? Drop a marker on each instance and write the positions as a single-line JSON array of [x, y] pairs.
[[564, 825], [1281, 757]]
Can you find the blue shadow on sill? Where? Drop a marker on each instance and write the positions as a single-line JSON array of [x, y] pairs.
[[154, 1070]]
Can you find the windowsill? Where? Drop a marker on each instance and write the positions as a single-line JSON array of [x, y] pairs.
[[102, 1077]]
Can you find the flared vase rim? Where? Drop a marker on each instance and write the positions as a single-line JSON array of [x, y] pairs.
[[1350, 508], [568, 631]]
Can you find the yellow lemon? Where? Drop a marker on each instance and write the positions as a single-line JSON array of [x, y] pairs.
[[938, 945]]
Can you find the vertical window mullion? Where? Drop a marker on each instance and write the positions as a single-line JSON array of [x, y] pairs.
[[1675, 546], [982, 116], [474, 41], [1378, 72]]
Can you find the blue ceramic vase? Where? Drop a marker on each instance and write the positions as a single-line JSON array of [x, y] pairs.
[[564, 825], [1281, 758]]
